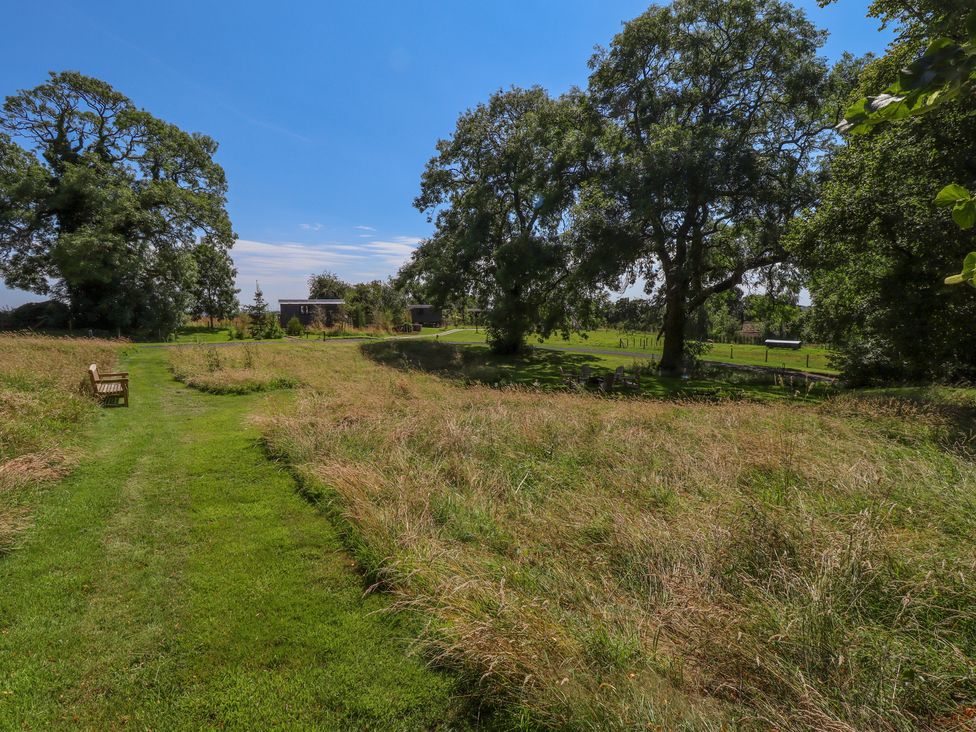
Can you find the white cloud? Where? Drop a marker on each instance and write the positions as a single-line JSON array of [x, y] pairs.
[[310, 227], [283, 268], [394, 253], [365, 228]]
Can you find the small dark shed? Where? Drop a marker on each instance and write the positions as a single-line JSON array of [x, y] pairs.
[[426, 315], [308, 311]]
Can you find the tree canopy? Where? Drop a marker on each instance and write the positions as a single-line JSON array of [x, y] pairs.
[[499, 190], [102, 204], [716, 117], [327, 286], [877, 246], [213, 290]]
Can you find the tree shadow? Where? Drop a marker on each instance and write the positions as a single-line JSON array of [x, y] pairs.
[[547, 370]]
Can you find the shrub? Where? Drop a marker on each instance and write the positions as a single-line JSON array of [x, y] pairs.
[[294, 327]]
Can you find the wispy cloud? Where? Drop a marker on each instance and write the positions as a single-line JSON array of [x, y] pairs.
[[394, 253], [365, 228], [283, 268], [310, 227]]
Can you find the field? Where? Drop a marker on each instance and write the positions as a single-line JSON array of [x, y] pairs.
[[732, 552], [809, 358], [617, 563], [43, 401], [547, 369]]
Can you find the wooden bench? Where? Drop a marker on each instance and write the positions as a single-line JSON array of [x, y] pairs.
[[109, 385]]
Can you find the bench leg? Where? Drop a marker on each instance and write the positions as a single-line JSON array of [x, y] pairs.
[[125, 396]]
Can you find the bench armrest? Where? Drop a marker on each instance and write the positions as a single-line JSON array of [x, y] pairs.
[[114, 373], [114, 379]]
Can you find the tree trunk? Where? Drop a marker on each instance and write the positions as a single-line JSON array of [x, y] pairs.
[[675, 315], [506, 341]]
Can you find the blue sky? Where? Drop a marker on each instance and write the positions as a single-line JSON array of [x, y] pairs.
[[326, 112]]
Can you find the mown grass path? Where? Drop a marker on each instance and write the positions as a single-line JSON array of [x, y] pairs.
[[177, 581]]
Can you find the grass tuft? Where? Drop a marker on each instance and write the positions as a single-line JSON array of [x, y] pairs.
[[237, 369]]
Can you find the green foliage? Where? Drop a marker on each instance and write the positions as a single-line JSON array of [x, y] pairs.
[[103, 204], [498, 191], [327, 286], [262, 324], [214, 293], [375, 303], [944, 72], [49, 315], [877, 249], [961, 201], [716, 116], [294, 326]]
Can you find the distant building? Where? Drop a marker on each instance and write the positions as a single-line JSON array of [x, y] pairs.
[[751, 329], [426, 315], [308, 311]]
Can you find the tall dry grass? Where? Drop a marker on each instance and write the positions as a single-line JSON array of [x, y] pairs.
[[235, 369], [613, 564], [43, 398]]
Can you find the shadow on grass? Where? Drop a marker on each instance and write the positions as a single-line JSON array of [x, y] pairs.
[[476, 364]]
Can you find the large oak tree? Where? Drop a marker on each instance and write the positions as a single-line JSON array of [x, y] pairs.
[[716, 114], [101, 203], [499, 191]]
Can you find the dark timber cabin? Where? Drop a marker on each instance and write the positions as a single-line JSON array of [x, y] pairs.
[[427, 315], [308, 311]]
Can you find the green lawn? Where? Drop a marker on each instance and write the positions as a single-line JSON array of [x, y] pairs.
[[808, 358], [178, 581]]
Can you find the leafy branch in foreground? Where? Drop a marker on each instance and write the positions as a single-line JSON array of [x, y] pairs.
[[945, 71]]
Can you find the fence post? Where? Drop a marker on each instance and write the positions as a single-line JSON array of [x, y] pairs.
[[808, 360], [731, 358], [767, 355]]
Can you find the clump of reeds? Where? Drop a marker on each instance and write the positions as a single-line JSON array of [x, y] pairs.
[[238, 369]]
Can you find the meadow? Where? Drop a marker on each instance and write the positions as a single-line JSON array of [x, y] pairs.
[[619, 563], [43, 401]]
